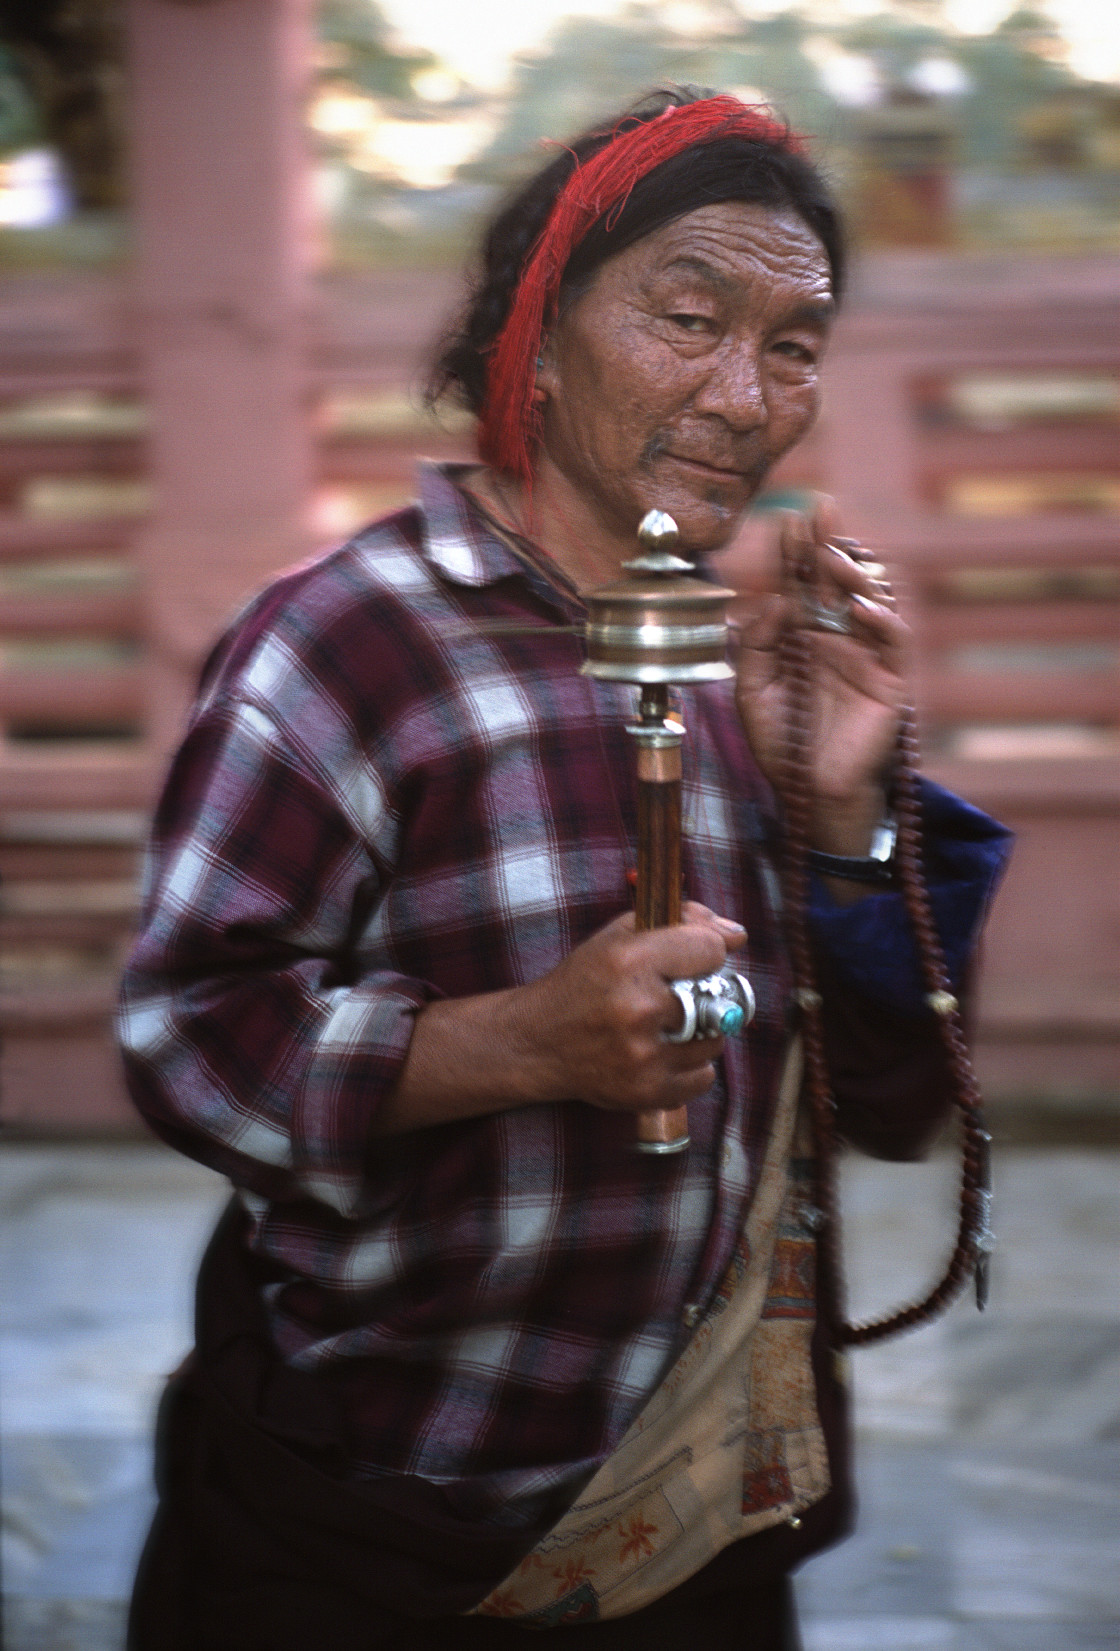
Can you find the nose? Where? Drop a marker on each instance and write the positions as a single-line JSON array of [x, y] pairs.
[[734, 390]]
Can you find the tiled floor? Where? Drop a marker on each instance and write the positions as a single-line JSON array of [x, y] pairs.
[[987, 1445]]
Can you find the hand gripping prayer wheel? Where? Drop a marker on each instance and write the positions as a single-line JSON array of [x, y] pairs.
[[662, 626]]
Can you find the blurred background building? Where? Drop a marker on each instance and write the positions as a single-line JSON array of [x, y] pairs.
[[229, 231]]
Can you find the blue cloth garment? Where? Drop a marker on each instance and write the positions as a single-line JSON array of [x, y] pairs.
[[965, 853]]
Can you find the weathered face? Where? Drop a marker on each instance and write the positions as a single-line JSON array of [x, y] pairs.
[[688, 368]]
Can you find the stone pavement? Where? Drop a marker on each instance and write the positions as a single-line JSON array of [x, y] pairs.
[[987, 1445]]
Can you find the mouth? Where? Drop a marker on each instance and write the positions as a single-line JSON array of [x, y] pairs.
[[708, 470]]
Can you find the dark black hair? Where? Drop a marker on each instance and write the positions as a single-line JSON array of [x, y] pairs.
[[724, 169]]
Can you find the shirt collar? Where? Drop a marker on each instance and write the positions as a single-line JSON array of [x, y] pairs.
[[454, 537]]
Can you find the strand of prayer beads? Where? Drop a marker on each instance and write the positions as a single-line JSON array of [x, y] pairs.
[[973, 1242]]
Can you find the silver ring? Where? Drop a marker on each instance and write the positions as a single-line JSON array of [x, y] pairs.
[[820, 617], [750, 1002], [686, 997]]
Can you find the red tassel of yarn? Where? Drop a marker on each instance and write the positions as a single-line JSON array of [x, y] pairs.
[[509, 426]]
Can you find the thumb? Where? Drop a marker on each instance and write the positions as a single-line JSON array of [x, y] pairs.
[[731, 931]]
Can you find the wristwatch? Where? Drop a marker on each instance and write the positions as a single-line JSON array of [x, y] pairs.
[[877, 866]]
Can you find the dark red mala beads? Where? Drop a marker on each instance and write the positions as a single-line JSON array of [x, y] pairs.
[[973, 1240]]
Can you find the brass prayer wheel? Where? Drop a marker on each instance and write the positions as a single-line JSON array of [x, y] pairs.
[[664, 625]]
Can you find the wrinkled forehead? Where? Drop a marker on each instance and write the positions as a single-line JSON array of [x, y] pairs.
[[739, 250]]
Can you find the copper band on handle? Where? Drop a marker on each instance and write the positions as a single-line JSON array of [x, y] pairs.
[[659, 763], [661, 1132]]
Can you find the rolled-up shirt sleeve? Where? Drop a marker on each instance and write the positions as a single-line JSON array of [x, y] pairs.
[[871, 943], [890, 1078], [247, 1043]]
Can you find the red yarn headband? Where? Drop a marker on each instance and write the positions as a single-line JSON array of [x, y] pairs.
[[509, 425]]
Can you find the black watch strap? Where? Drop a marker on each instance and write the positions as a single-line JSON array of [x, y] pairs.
[[876, 867], [853, 868]]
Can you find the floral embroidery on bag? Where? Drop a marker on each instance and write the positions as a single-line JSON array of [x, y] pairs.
[[793, 1281], [505, 1604], [766, 1480], [573, 1572], [637, 1539]]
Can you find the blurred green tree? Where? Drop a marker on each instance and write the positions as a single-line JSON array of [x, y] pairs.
[[590, 67], [20, 125], [355, 48], [1012, 71]]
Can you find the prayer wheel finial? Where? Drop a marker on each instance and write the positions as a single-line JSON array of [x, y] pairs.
[[658, 535]]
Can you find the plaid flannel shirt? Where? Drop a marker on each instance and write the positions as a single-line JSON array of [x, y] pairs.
[[384, 797]]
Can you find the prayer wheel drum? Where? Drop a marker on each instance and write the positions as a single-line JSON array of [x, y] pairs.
[[662, 624]]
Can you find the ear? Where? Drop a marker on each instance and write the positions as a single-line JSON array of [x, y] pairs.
[[547, 373]]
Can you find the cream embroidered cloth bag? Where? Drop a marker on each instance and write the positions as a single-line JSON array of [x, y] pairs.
[[729, 1443]]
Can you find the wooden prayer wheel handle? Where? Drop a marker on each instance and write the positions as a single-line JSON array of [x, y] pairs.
[[658, 894]]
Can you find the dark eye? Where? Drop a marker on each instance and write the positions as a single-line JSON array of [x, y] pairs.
[[691, 323], [795, 351]]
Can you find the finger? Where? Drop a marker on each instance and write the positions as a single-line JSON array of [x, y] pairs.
[[624, 923], [795, 539], [686, 1057], [845, 573], [824, 518], [683, 1087], [819, 572], [758, 664], [681, 1060], [685, 951], [733, 932], [763, 632], [663, 1092], [750, 562], [883, 626], [868, 663]]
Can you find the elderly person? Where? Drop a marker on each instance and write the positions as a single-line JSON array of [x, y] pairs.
[[468, 1366]]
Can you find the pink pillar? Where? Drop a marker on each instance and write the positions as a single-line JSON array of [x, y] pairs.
[[222, 259]]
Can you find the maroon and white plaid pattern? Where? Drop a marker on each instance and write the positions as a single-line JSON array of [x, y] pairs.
[[385, 797]]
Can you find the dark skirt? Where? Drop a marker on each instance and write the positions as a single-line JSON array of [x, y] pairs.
[[191, 1597], [258, 1546]]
